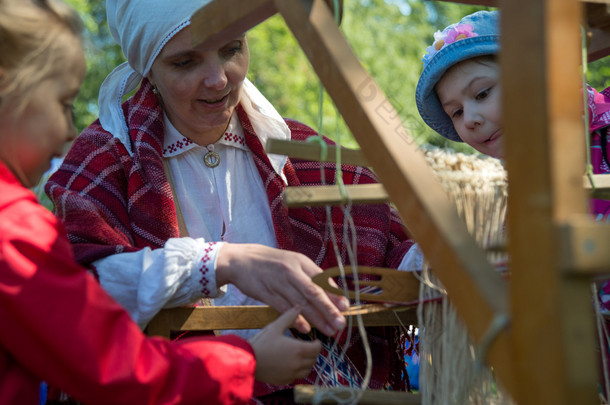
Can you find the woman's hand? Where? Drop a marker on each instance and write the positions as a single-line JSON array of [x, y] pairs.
[[281, 359], [281, 279]]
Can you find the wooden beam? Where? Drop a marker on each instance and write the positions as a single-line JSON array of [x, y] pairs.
[[331, 195], [256, 317], [225, 25], [598, 46], [473, 285], [312, 151], [552, 329], [214, 24]]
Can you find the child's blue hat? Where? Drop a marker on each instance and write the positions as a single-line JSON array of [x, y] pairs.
[[475, 35]]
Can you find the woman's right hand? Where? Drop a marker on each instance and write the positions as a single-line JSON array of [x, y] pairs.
[[281, 359], [281, 279]]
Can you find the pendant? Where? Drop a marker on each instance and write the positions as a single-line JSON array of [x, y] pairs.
[[211, 159]]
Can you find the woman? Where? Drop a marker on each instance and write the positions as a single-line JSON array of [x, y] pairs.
[[58, 324], [195, 129]]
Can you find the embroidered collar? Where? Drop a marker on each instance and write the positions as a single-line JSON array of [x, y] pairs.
[[175, 143]]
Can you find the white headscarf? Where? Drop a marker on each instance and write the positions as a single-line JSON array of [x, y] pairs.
[[142, 28]]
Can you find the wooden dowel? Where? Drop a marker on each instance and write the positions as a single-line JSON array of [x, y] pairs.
[[331, 195], [306, 393], [312, 151]]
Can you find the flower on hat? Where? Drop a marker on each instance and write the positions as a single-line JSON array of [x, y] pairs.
[[448, 36]]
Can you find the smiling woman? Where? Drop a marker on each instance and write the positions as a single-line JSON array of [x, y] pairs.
[[199, 88]]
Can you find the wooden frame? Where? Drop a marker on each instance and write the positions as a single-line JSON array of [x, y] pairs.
[[546, 356]]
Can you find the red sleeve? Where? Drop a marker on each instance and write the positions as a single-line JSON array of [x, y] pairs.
[[58, 323]]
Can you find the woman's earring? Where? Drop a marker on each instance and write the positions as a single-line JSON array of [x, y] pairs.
[[155, 91]]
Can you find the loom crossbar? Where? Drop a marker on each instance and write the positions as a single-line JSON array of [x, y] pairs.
[[209, 318]]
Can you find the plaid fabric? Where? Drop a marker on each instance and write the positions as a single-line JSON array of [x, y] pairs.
[[113, 202]]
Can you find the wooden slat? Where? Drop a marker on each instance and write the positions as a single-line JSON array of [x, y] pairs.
[[601, 183], [552, 328], [252, 317], [306, 393], [599, 44], [214, 24], [474, 287], [331, 195], [312, 151], [221, 20]]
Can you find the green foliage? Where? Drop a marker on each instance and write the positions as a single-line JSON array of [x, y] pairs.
[[103, 55], [598, 74]]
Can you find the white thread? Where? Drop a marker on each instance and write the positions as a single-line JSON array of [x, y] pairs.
[[451, 369]]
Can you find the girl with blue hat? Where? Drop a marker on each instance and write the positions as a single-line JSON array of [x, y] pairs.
[[459, 91], [459, 94]]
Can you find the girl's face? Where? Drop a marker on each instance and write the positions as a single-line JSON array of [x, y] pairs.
[[470, 93], [200, 87], [39, 133]]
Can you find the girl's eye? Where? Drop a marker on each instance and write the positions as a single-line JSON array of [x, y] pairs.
[[456, 114], [483, 94]]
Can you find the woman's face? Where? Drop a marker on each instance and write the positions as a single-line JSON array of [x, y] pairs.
[[200, 87], [39, 133], [470, 93]]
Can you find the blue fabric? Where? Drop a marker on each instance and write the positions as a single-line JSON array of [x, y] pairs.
[[485, 26], [412, 364], [43, 393]]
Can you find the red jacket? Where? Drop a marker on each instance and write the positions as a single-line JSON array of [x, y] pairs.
[[58, 325]]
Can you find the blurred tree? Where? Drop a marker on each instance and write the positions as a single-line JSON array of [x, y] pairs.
[[103, 55], [598, 74]]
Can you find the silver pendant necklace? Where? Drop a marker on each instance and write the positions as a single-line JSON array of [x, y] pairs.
[[211, 158]]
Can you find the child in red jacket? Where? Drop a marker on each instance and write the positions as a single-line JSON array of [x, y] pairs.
[[57, 323]]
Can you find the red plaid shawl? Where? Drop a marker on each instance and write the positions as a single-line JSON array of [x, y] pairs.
[[112, 202]]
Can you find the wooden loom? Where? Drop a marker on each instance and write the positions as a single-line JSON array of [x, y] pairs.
[[554, 248]]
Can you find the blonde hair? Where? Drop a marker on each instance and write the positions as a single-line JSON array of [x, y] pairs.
[[32, 43]]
